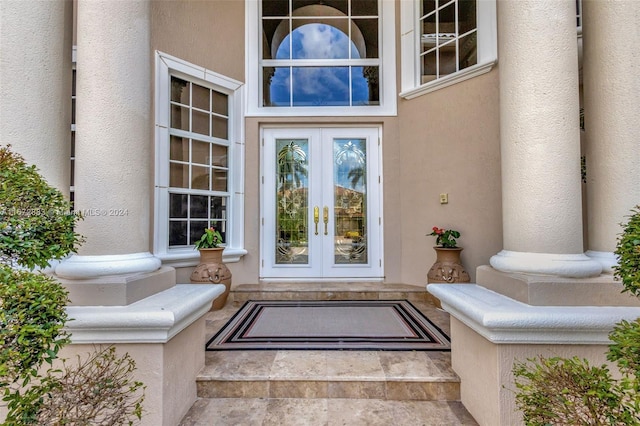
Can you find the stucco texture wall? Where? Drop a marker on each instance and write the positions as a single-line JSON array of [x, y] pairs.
[[442, 142], [209, 33], [449, 142]]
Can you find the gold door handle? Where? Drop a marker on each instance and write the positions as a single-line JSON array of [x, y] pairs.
[[316, 217], [325, 216]]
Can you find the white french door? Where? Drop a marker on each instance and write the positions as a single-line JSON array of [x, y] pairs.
[[321, 203]]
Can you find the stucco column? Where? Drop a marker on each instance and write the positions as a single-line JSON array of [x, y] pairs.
[[113, 187], [540, 140], [611, 111], [35, 84]]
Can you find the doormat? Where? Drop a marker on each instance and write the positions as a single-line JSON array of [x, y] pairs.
[[330, 325]]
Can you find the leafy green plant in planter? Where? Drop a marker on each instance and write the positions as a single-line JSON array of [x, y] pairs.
[[560, 391], [37, 225]]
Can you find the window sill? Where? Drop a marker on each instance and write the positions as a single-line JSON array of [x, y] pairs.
[[449, 80], [190, 257], [354, 111]]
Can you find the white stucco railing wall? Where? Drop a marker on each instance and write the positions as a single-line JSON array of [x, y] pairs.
[[155, 319], [502, 320], [490, 332]]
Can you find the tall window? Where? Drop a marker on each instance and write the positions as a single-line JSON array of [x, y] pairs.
[[198, 153], [316, 57], [446, 41], [198, 161]]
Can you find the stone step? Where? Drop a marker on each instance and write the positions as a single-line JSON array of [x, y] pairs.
[[321, 412], [327, 387], [329, 291], [385, 375]]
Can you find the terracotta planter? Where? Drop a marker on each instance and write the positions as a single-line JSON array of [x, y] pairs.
[[212, 270], [448, 268]]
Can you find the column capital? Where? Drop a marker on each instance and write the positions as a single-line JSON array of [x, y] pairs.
[[562, 265]]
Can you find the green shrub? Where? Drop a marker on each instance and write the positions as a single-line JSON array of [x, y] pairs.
[[97, 391], [36, 221], [32, 317], [628, 252], [558, 391], [36, 226]]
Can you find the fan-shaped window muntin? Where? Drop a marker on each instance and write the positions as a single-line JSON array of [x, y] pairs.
[[318, 55]]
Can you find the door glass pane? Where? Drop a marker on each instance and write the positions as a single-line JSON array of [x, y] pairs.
[[292, 191], [350, 201]]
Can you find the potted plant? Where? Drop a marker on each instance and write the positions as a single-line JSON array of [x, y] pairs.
[[445, 238], [209, 239], [211, 269], [448, 267]]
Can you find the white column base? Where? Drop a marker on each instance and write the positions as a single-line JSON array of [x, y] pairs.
[[87, 267], [562, 265], [607, 260]]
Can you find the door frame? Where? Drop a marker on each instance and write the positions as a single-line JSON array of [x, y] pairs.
[[375, 264]]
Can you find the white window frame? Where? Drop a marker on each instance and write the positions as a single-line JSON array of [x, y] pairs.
[[387, 52], [167, 66], [410, 49]]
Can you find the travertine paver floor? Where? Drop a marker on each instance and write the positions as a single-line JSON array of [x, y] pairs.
[[330, 387], [324, 411]]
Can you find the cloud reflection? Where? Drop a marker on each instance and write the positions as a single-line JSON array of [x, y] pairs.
[[317, 86]]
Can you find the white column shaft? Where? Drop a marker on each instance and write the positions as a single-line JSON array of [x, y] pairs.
[[611, 90], [35, 84], [113, 183], [113, 130], [540, 138]]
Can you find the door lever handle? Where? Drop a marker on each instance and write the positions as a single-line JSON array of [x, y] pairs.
[[316, 217], [325, 216]]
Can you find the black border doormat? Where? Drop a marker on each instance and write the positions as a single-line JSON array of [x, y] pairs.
[[330, 325]]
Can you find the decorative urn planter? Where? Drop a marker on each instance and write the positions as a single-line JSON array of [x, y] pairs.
[[448, 268], [212, 270]]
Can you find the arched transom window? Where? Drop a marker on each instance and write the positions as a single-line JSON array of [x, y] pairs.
[[320, 53]]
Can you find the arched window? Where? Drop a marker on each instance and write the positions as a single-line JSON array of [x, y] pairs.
[[320, 54], [319, 85]]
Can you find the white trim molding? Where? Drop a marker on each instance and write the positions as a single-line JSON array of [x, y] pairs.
[[85, 267], [155, 319], [502, 320], [410, 33], [183, 258], [563, 265], [387, 52], [449, 80], [167, 65]]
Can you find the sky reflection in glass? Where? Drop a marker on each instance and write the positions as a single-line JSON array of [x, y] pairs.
[[318, 86]]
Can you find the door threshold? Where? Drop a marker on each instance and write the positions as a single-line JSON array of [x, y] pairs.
[[321, 280]]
